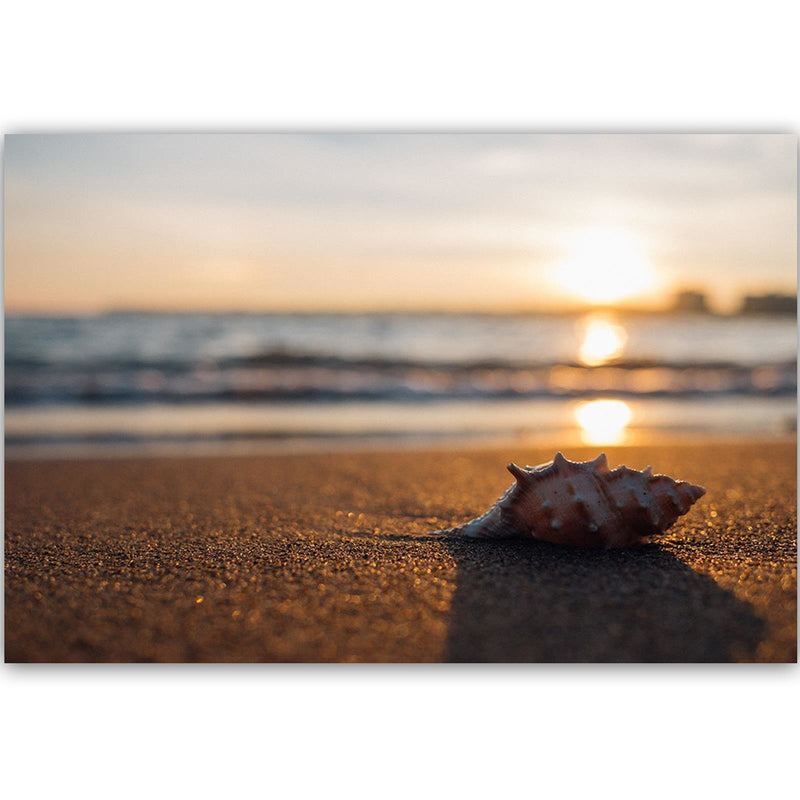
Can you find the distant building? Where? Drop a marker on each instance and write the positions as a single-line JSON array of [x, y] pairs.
[[694, 302], [769, 304]]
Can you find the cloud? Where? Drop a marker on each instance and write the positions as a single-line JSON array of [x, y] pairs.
[[725, 203]]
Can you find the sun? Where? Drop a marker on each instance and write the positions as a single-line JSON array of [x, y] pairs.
[[604, 266]]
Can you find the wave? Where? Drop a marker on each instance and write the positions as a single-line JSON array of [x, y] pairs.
[[295, 358], [282, 375]]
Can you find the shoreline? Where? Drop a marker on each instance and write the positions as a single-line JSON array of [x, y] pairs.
[[401, 443]]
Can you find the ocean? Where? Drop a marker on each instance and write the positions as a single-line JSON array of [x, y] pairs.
[[128, 383]]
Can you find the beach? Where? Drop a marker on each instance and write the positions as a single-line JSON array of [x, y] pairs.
[[318, 558]]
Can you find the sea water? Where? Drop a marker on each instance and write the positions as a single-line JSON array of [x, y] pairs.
[[185, 383]]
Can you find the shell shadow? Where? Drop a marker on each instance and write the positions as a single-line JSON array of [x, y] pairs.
[[518, 601]]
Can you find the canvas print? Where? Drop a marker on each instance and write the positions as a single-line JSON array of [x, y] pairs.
[[400, 397]]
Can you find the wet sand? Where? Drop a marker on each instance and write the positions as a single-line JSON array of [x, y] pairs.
[[319, 558]]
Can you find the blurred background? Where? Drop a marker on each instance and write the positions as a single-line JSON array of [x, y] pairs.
[[246, 293]]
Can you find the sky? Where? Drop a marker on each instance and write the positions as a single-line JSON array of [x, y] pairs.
[[380, 221]]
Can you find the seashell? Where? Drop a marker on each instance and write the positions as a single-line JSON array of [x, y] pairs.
[[584, 504]]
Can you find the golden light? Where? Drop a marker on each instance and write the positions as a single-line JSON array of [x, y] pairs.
[[605, 266], [603, 421], [602, 341]]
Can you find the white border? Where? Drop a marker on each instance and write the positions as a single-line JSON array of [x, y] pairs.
[[447, 731]]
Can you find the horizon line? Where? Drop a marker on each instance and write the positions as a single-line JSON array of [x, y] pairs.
[[371, 310]]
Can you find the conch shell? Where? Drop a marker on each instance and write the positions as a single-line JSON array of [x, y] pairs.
[[584, 504]]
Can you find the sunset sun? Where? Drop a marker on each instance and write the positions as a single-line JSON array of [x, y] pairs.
[[605, 266]]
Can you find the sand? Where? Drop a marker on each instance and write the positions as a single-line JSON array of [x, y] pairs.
[[319, 558]]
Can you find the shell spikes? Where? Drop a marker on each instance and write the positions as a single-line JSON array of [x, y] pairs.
[[583, 503]]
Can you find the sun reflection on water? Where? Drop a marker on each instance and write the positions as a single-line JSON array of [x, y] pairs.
[[602, 341], [603, 421]]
